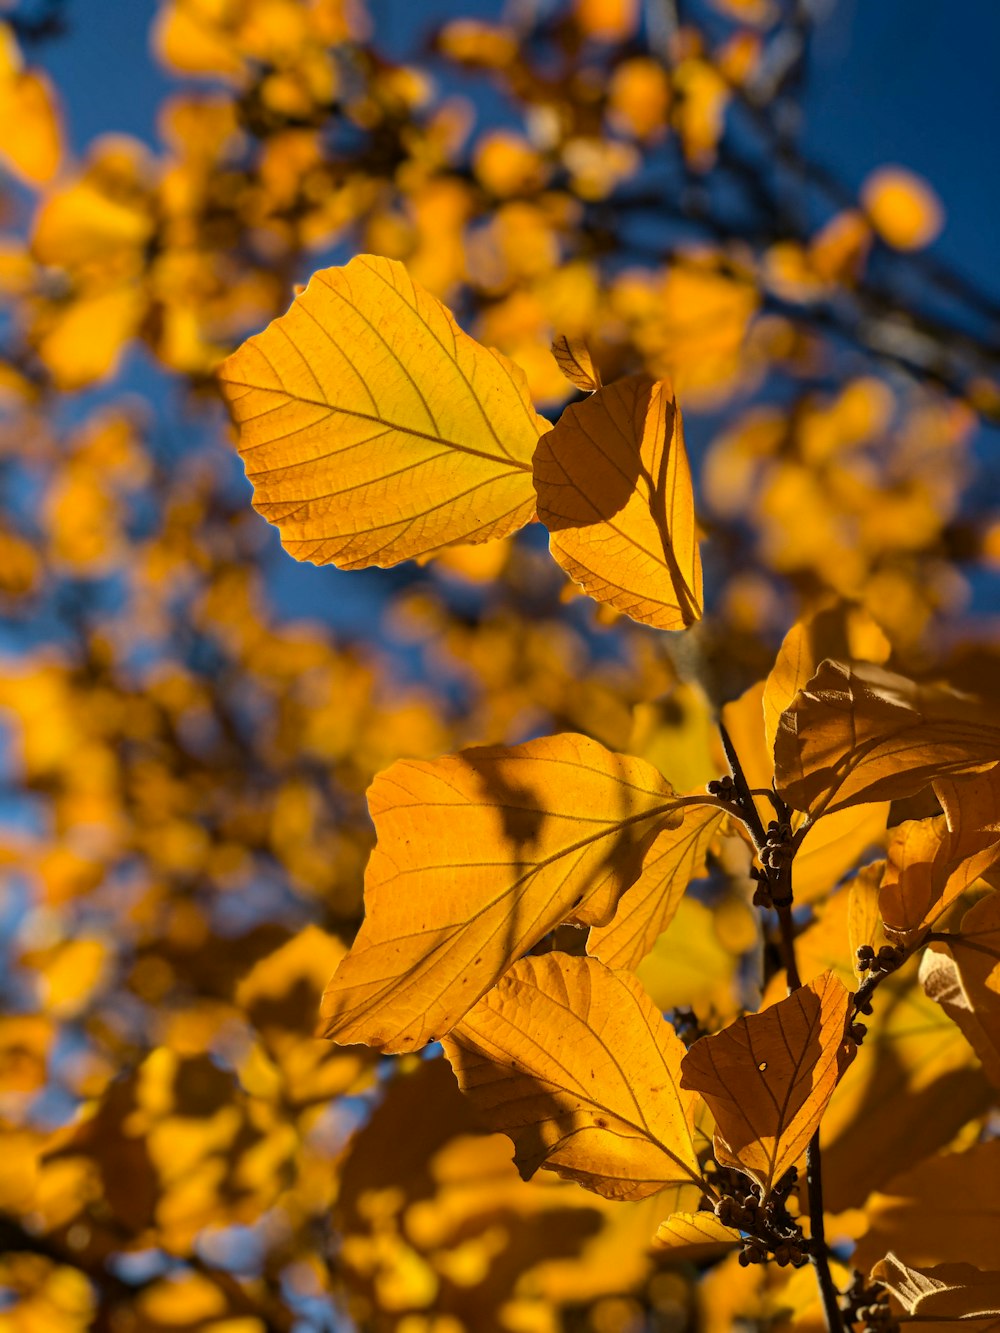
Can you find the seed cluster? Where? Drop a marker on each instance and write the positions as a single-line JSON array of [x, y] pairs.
[[867, 1305], [770, 1229]]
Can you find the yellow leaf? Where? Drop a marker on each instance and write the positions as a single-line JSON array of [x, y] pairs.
[[374, 429], [860, 733], [932, 861], [603, 1106], [943, 1292], [902, 207], [768, 1077], [31, 138], [835, 631], [864, 923], [942, 1210], [479, 855], [575, 362], [963, 977], [647, 908], [614, 490], [693, 1237]]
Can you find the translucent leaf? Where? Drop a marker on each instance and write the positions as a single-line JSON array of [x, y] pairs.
[[932, 861], [647, 908], [577, 1065], [374, 429], [479, 855], [614, 490], [860, 733], [695, 1236], [768, 1077], [575, 362], [963, 977]]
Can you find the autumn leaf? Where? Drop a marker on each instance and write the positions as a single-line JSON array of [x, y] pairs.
[[860, 733], [695, 1237], [942, 1292], [647, 908], [479, 855], [574, 360], [602, 1103], [614, 490], [944, 1209], [768, 1077], [932, 861], [374, 429], [962, 975]]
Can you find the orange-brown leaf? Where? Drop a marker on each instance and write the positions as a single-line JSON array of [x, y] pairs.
[[479, 855], [574, 360], [693, 1237], [614, 489], [943, 1292], [767, 1078], [578, 1066], [374, 429], [860, 733]]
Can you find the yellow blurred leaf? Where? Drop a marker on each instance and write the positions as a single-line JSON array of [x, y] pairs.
[[30, 125], [768, 1077], [694, 1237], [574, 360], [374, 429], [903, 208], [479, 855], [860, 733], [614, 489], [604, 1108], [647, 908]]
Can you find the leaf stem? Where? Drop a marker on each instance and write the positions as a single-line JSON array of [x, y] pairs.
[[819, 1255]]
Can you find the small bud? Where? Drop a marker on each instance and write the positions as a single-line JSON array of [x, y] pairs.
[[865, 1007], [782, 1256], [744, 1259], [857, 1032]]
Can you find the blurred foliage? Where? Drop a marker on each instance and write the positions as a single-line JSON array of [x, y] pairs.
[[183, 830]]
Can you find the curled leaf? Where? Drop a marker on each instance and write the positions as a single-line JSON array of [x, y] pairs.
[[479, 855], [374, 429], [694, 1237], [614, 490], [944, 1291], [577, 1065], [575, 362], [860, 733]]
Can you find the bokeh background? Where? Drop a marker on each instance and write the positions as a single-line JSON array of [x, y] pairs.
[[189, 719]]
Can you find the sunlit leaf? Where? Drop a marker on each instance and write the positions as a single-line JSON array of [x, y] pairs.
[[647, 908], [574, 360], [374, 429], [602, 1106], [962, 975], [768, 1078], [614, 490], [903, 208], [479, 855], [695, 1237], [861, 733]]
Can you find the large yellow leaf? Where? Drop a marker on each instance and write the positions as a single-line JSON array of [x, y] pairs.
[[577, 1065], [860, 733], [932, 861], [768, 1077], [479, 855], [614, 490], [374, 429], [647, 908]]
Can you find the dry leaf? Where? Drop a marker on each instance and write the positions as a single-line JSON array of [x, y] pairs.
[[614, 490], [768, 1078], [860, 733], [577, 1065], [575, 362], [479, 855], [647, 908], [945, 1291], [374, 429]]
